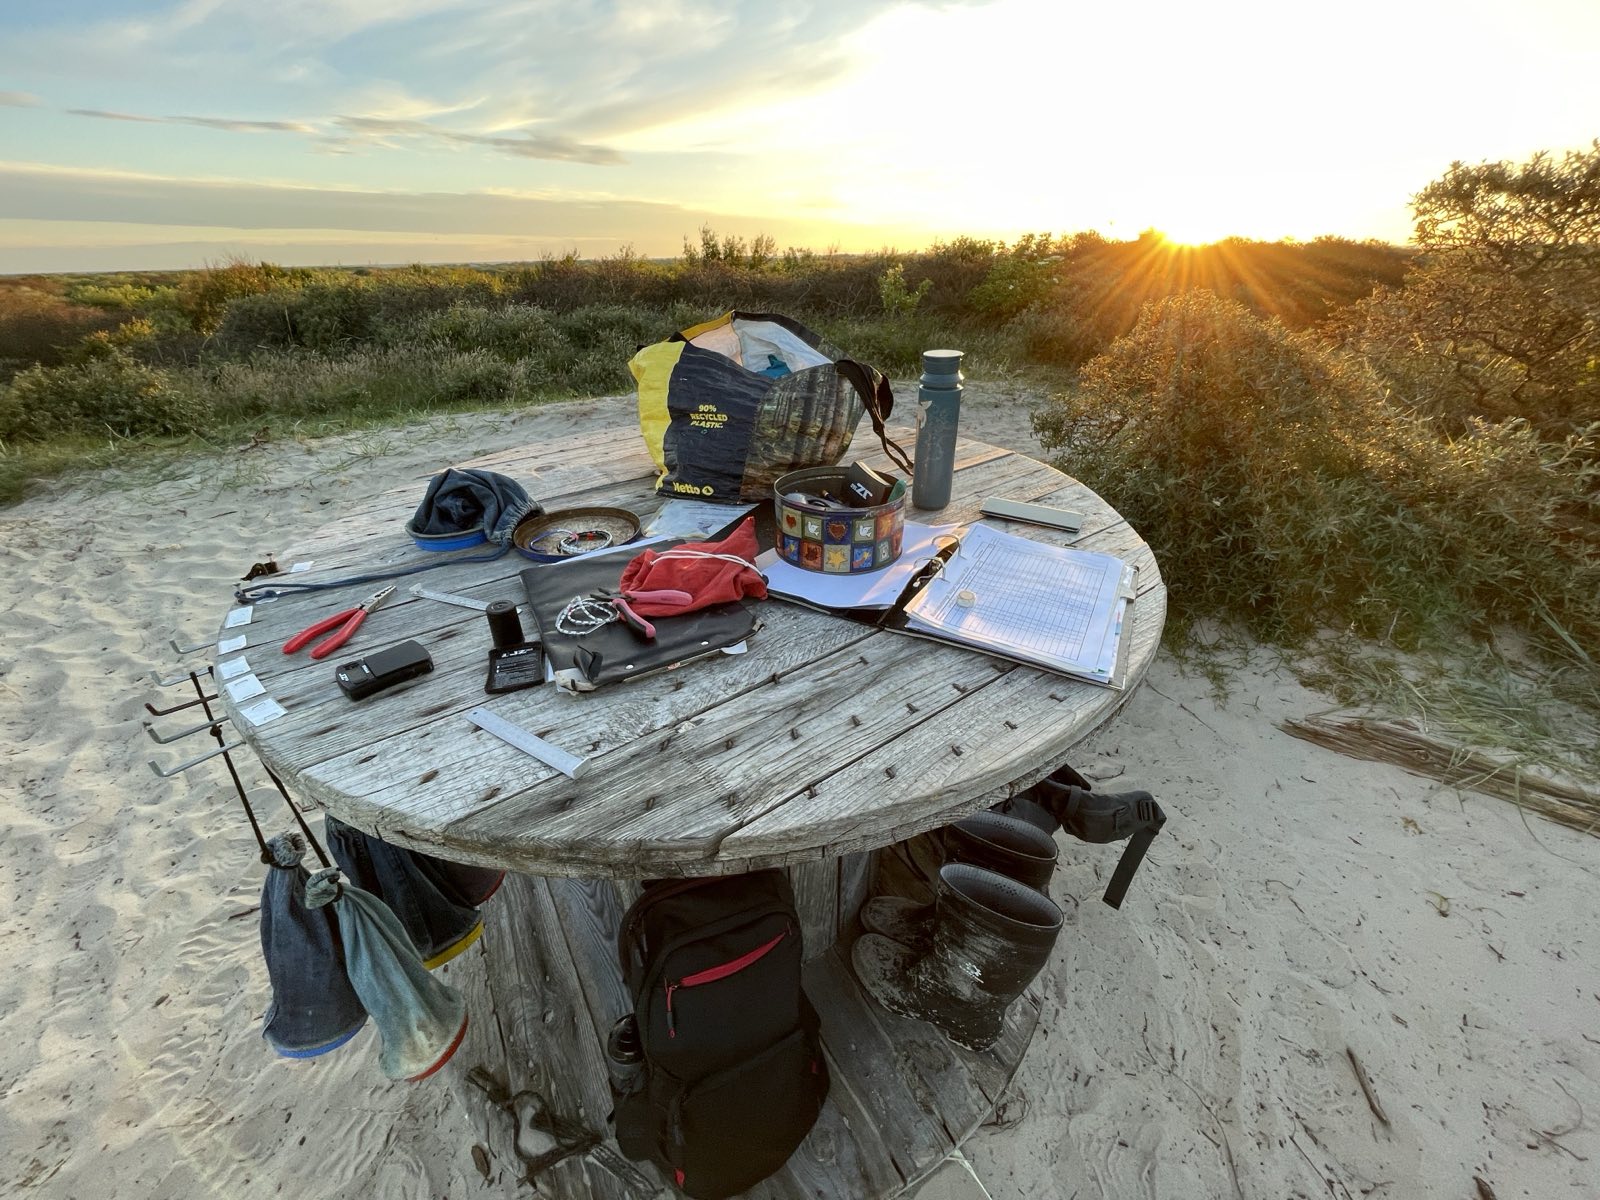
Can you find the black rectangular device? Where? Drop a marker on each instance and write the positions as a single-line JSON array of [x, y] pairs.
[[383, 669], [512, 668]]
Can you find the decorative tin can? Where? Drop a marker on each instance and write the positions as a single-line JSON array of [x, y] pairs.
[[835, 540]]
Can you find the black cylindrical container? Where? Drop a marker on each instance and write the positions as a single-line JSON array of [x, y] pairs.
[[504, 626]]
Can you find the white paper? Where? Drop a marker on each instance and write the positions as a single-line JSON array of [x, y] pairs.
[[229, 645], [244, 689], [1029, 601], [234, 667], [694, 518], [298, 567], [263, 712], [870, 589], [238, 617]]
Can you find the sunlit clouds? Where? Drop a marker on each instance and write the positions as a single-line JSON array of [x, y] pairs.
[[856, 123]]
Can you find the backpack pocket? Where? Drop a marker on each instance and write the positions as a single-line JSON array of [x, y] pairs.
[[730, 1130]]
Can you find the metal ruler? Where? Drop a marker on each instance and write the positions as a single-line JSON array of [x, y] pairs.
[[449, 598], [569, 765]]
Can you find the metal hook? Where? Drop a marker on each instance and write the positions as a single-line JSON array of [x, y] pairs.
[[174, 679], [173, 642], [184, 766], [162, 741], [164, 712]]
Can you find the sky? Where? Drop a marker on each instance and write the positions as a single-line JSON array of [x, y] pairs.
[[169, 133]]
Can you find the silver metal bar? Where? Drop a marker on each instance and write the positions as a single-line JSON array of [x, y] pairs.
[[569, 765], [173, 642], [193, 762], [150, 728], [164, 712], [176, 679], [449, 598]]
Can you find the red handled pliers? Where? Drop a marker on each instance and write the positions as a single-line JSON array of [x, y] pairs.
[[625, 613], [346, 623]]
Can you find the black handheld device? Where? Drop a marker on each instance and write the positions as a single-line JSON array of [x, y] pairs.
[[383, 669], [512, 668]]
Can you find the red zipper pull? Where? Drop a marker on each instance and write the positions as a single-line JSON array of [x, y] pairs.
[[672, 1027]]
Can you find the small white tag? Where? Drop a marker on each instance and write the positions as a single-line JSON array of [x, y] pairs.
[[243, 689], [229, 645], [263, 711], [298, 567], [238, 617], [233, 667]]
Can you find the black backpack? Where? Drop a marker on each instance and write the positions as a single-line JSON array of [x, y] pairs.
[[732, 1072]]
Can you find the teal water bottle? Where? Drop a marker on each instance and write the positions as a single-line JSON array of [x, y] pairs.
[[938, 415]]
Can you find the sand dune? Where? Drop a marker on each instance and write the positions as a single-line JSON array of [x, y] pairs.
[[1193, 1045]]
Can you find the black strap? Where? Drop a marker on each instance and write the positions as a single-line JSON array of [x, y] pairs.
[[878, 398], [274, 589], [1135, 816]]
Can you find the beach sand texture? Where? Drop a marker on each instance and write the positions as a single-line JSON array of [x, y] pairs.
[[1193, 1045]]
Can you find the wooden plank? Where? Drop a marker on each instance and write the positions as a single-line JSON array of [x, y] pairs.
[[939, 1074], [431, 770], [864, 1061], [855, 884], [590, 913], [551, 1048], [663, 802], [816, 899]]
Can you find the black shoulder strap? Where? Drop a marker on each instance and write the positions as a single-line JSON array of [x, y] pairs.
[[878, 398], [1135, 816]]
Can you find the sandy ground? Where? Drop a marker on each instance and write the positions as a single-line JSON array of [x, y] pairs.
[[1194, 1045]]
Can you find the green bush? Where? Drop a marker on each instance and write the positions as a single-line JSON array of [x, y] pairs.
[[110, 393], [1278, 487]]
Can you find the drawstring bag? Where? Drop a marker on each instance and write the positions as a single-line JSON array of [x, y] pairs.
[[420, 1020], [696, 575], [436, 901], [314, 1009], [728, 406]]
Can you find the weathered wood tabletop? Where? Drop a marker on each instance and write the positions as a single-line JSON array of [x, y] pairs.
[[826, 737]]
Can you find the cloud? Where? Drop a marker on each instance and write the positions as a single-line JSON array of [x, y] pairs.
[[32, 191], [18, 100], [107, 115], [523, 144], [350, 132], [233, 126]]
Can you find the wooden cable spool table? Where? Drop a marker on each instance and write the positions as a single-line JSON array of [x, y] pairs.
[[824, 743]]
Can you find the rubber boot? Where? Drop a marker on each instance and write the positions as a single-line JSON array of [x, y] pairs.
[[999, 843], [991, 937], [1036, 805]]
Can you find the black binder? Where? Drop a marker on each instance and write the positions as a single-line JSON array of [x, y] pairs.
[[614, 652]]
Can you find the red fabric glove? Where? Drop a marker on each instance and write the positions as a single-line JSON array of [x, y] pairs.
[[707, 581]]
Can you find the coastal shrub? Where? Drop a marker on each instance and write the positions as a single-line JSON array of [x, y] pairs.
[[111, 393], [1501, 317], [511, 332], [299, 386], [204, 296], [38, 327], [1278, 486]]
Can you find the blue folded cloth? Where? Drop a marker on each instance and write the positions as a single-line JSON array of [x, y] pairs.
[[462, 500]]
